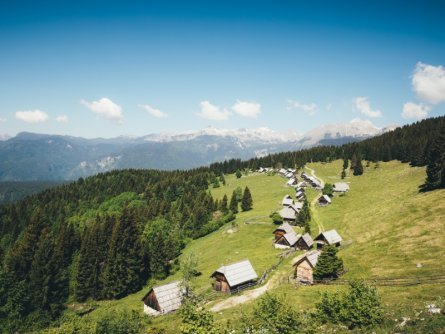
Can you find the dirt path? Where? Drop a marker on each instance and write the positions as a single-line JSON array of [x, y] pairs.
[[314, 203]]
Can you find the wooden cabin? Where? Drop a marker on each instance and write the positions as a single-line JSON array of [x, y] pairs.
[[305, 265], [288, 215], [330, 237], [287, 200], [163, 299], [233, 276], [282, 230], [341, 187], [287, 240], [324, 200], [305, 242]]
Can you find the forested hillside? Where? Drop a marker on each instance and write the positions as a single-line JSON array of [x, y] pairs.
[[98, 238]]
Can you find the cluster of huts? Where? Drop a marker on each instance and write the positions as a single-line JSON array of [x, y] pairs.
[[228, 278], [286, 237]]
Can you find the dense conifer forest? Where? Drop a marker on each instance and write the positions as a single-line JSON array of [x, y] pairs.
[[103, 237]]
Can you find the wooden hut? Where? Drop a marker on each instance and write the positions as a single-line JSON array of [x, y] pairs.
[[288, 215], [163, 299], [287, 200], [233, 276], [330, 237], [282, 230], [341, 187], [305, 242], [324, 200], [305, 265], [287, 240]]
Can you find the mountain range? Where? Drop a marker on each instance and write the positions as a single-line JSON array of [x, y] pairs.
[[34, 157]]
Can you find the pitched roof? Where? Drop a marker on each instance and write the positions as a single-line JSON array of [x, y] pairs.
[[331, 236], [341, 186], [169, 296], [292, 238], [285, 227], [291, 181], [296, 206], [307, 239], [287, 213], [287, 200], [311, 257], [238, 273], [326, 197]]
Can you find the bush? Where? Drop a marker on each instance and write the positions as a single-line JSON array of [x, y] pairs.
[[276, 218], [360, 307], [328, 264]]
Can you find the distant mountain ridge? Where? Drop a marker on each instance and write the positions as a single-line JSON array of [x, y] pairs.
[[31, 156]]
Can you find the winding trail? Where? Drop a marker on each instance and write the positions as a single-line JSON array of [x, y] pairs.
[[314, 203]]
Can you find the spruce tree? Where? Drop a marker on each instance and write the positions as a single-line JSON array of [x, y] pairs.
[[343, 174], [238, 174], [358, 168], [224, 207], [233, 206], [328, 264], [345, 163], [246, 202], [435, 169]]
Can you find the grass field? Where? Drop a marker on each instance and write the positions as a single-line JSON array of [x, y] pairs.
[[387, 225]]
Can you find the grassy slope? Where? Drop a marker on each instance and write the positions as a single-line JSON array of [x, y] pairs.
[[390, 226]]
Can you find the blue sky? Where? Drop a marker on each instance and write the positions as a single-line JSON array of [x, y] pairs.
[[104, 68]]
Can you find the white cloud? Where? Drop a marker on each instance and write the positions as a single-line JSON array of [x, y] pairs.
[[329, 107], [362, 104], [153, 111], [413, 110], [247, 109], [429, 82], [62, 119], [3, 120], [32, 116], [310, 108], [105, 108], [213, 112]]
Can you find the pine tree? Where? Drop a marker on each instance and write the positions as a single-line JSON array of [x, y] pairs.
[[435, 170], [238, 174], [233, 206], [224, 208], [246, 202], [343, 174], [345, 163], [328, 264], [358, 168], [304, 217]]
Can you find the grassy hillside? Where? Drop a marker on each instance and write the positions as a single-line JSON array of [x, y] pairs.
[[388, 227]]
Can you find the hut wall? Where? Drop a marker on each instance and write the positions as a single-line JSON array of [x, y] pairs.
[[304, 271]]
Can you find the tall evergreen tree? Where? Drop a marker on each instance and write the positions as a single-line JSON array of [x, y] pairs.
[[358, 167], [233, 206], [328, 264], [345, 163], [246, 202], [343, 174], [238, 174], [224, 207], [435, 169]]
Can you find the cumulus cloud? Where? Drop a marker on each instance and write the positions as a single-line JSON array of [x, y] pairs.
[[213, 112], [413, 110], [362, 104], [247, 109], [310, 108], [32, 116], [428, 82], [62, 119], [153, 111], [105, 108]]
